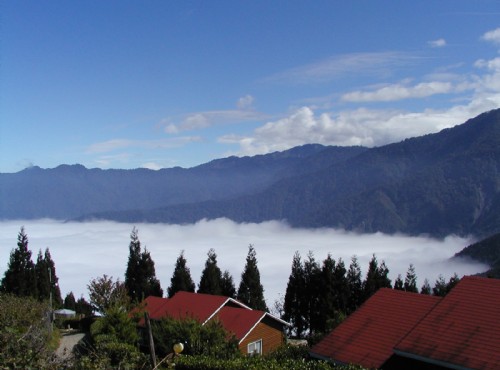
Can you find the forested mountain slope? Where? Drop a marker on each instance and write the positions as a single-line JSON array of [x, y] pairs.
[[438, 184]]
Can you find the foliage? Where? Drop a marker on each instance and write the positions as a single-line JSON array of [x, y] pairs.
[[292, 310], [376, 278], [140, 275], [46, 279], [227, 285], [426, 288], [210, 339], [25, 334], [211, 276], [254, 363], [251, 291], [70, 302], [181, 278], [354, 286], [114, 340], [105, 293], [411, 280], [19, 278]]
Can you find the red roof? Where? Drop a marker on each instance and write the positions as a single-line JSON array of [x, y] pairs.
[[368, 336], [236, 317], [462, 330], [239, 322]]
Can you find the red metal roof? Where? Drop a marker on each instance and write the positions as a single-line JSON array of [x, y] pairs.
[[239, 321], [367, 337], [462, 330], [236, 317]]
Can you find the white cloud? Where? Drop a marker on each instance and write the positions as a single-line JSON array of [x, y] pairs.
[[245, 102], [83, 251], [439, 43], [492, 36], [115, 144], [201, 120], [376, 63], [399, 92]]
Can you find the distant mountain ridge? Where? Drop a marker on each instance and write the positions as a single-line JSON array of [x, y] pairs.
[[437, 184]]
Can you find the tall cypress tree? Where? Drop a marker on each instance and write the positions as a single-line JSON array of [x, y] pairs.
[[19, 278], [398, 283], [328, 298], [411, 280], [47, 282], [140, 275], [181, 278], [251, 291], [132, 278], [227, 285], [292, 306], [376, 278], [311, 294], [355, 286], [211, 276], [70, 301], [151, 283]]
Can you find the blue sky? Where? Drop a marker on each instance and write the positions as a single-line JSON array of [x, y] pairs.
[[128, 84]]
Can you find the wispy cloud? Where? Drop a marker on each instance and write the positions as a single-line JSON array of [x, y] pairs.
[[200, 120], [492, 36], [116, 144], [398, 92], [339, 66], [439, 43]]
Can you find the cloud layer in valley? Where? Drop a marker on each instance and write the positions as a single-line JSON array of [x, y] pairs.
[[83, 251]]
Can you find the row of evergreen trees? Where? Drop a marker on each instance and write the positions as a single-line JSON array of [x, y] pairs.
[[141, 281], [24, 278], [318, 296]]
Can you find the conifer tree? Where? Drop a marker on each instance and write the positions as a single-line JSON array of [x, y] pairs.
[[251, 291], [355, 286], [181, 278], [227, 285], [376, 278], [439, 287], [292, 306], [311, 294], [426, 288], [140, 275], [19, 278], [151, 283], [398, 283], [133, 280], [411, 280], [341, 286], [47, 282], [70, 302], [211, 276], [327, 300]]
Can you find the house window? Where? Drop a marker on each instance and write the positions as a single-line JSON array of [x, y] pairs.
[[255, 348]]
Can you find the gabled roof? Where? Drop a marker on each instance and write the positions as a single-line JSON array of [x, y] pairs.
[[367, 337], [236, 317], [239, 322], [462, 331]]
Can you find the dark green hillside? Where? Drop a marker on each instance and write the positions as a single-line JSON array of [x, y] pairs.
[[438, 184], [486, 251]]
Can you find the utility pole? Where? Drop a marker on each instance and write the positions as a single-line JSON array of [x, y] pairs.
[[50, 300]]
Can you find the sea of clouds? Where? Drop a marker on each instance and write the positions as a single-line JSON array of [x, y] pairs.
[[83, 251]]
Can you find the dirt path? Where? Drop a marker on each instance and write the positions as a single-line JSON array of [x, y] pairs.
[[67, 343]]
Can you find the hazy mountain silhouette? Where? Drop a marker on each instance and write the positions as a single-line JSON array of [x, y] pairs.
[[437, 184]]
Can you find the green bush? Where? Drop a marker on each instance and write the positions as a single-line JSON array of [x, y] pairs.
[[210, 339], [26, 339], [253, 363]]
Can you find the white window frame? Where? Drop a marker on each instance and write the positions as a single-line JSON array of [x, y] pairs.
[[255, 348]]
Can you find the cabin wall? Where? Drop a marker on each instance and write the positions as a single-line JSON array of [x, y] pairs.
[[271, 335]]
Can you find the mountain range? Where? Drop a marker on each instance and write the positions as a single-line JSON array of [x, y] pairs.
[[438, 184]]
